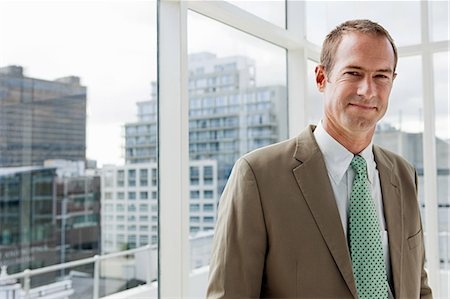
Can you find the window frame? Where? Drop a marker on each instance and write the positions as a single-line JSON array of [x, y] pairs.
[[173, 125]]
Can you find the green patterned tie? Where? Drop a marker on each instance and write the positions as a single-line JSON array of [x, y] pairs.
[[366, 248]]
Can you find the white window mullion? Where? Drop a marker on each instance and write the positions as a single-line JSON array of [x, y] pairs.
[[242, 20], [297, 69], [429, 156], [173, 160]]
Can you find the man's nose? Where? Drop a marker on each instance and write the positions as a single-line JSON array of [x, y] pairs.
[[367, 88]]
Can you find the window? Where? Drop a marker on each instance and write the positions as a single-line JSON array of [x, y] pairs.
[[143, 240], [143, 207], [195, 207], [194, 219], [117, 135], [208, 207], [131, 195], [120, 178], [120, 208], [132, 208], [143, 195], [208, 219], [208, 194], [208, 173], [154, 177], [131, 177], [195, 194], [220, 132], [405, 29], [441, 70], [194, 175], [143, 176], [272, 11]]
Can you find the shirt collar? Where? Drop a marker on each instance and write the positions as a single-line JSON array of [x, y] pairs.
[[337, 158]]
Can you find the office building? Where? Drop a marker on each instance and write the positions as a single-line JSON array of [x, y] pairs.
[[40, 119], [28, 237], [47, 219]]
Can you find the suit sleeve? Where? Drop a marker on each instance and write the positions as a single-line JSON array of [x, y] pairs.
[[425, 290], [239, 246]]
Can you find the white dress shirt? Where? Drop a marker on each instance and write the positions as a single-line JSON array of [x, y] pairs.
[[337, 160]]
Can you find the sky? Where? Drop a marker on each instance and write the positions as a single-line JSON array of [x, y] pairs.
[[111, 46]]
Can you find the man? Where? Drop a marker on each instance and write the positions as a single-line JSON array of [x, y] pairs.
[[326, 214]]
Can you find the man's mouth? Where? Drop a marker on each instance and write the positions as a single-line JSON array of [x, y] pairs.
[[363, 106]]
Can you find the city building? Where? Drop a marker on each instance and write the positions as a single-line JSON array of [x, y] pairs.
[[130, 206], [47, 219], [409, 146], [28, 238], [78, 217], [228, 114], [40, 119]]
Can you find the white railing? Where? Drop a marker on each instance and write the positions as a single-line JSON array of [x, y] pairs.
[[27, 274]]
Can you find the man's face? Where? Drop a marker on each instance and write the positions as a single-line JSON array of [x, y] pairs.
[[357, 88]]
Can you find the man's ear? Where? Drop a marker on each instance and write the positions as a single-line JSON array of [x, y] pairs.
[[321, 79]]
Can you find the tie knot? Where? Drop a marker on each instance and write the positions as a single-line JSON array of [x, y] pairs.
[[359, 165]]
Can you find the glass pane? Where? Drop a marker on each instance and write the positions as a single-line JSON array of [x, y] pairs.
[[66, 191], [237, 103], [401, 129], [315, 98], [441, 79], [439, 20], [400, 18], [273, 11]]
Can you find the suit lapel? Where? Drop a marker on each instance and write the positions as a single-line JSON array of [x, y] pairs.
[[393, 206], [312, 178]]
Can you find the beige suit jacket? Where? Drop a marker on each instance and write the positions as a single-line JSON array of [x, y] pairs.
[[279, 234]]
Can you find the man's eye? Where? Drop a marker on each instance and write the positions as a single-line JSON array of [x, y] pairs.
[[382, 76], [352, 73]]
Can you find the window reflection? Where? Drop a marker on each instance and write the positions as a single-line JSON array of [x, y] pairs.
[[237, 103], [56, 203]]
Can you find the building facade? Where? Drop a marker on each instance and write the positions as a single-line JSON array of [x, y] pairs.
[[228, 114], [28, 237], [409, 146], [130, 203], [46, 219], [40, 119]]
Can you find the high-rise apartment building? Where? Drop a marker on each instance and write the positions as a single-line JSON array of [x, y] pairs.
[[228, 114], [40, 119]]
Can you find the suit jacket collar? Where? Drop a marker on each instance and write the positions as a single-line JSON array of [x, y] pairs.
[[312, 177]]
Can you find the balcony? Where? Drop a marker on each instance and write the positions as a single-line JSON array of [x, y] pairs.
[[135, 269]]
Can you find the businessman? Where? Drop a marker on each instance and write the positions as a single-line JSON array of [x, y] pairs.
[[326, 214]]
